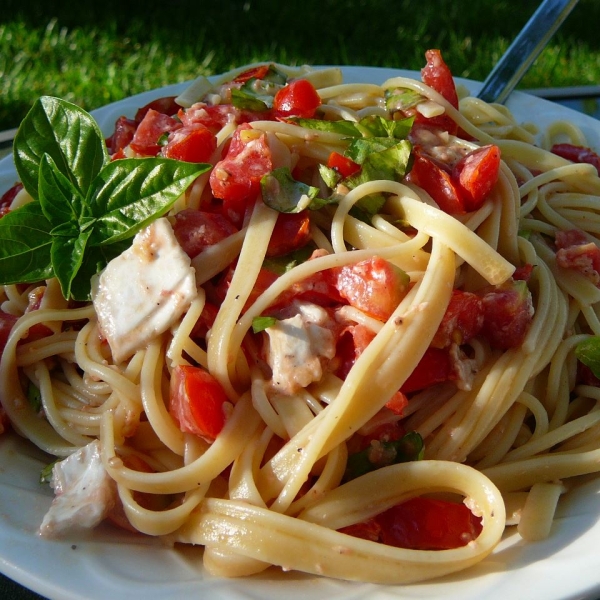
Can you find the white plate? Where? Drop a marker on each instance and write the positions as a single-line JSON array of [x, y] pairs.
[[108, 564]]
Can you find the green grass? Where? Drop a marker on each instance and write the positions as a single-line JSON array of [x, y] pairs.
[[93, 53]]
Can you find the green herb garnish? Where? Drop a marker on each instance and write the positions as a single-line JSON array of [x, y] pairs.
[[86, 208]]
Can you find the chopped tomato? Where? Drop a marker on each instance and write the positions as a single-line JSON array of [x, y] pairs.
[[236, 178], [122, 135], [216, 117], [458, 188], [291, 232], [258, 72], [476, 174], [437, 181], [523, 273], [374, 286], [146, 140], [264, 279], [437, 75], [7, 322], [462, 320], [194, 143], [421, 524], [507, 314], [165, 106], [351, 344], [297, 99], [577, 154], [346, 167], [434, 367], [205, 321], [197, 402], [7, 198], [575, 251], [397, 403], [195, 230]]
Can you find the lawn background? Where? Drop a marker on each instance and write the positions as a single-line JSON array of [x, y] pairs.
[[93, 53]]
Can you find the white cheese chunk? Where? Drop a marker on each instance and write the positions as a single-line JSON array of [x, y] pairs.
[[297, 347], [84, 492], [144, 291]]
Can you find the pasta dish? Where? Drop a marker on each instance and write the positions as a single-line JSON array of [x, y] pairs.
[[344, 329]]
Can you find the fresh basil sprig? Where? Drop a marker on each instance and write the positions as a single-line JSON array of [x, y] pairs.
[[588, 352], [86, 208]]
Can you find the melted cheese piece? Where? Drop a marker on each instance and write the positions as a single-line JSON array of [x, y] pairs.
[[297, 346], [84, 492], [144, 291]]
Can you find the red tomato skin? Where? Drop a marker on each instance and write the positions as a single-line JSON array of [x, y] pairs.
[[236, 178], [437, 182], [216, 117], [462, 320], [351, 343], [297, 99], [346, 167], [577, 154], [165, 106], [7, 198], [191, 144], [151, 128], [434, 367], [437, 75], [291, 232], [507, 314], [195, 230], [122, 135], [374, 286], [197, 402], [428, 524], [258, 72], [476, 174]]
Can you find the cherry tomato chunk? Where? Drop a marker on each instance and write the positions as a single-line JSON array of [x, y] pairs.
[[297, 99], [345, 166], [476, 174], [197, 402], [194, 143], [195, 230], [578, 154]]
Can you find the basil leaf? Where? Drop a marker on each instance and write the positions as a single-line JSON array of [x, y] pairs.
[[347, 128], [34, 397], [26, 243], [283, 193], [402, 99], [261, 323], [60, 201], [68, 134], [130, 193], [377, 126], [390, 163], [94, 260], [588, 352], [67, 256], [282, 264], [244, 100]]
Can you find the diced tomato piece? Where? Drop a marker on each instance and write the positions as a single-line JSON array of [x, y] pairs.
[[575, 251], [197, 402], [437, 181], [264, 280], [258, 72], [7, 198], [577, 154], [351, 344], [236, 178], [507, 314], [195, 230], [7, 322], [345, 166], [397, 403], [297, 99], [367, 530], [476, 174], [434, 367], [428, 524], [291, 232], [147, 136], [374, 286], [523, 273], [437, 75], [122, 135], [193, 143], [216, 117], [165, 106], [462, 320]]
